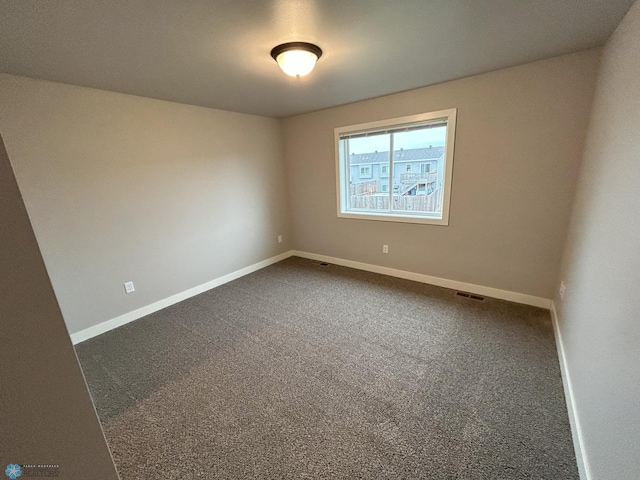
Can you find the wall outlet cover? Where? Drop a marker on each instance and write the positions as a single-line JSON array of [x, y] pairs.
[[129, 288]]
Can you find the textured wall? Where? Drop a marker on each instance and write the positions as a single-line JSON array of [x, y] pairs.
[[519, 141], [46, 413], [599, 318], [123, 188]]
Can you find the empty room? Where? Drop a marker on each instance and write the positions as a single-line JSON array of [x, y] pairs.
[[319, 239]]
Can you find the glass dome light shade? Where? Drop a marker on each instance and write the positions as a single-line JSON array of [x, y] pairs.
[[297, 63]]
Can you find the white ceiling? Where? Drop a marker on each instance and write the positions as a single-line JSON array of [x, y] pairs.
[[215, 53]]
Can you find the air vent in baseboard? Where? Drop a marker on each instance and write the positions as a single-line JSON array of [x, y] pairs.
[[472, 296]]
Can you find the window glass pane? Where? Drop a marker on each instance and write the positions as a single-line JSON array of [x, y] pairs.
[[397, 170], [368, 172], [418, 170]]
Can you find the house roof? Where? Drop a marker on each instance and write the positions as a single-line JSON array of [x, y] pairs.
[[402, 155]]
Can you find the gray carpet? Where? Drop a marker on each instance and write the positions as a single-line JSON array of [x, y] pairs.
[[305, 371]]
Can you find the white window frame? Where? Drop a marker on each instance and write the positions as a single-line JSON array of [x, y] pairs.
[[368, 168], [342, 186], [382, 172]]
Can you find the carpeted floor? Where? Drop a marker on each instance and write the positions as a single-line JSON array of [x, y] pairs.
[[308, 371]]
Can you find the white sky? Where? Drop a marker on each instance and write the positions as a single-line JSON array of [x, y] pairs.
[[415, 139]]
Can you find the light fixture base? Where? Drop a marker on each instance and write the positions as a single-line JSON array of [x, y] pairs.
[[296, 59], [285, 47]]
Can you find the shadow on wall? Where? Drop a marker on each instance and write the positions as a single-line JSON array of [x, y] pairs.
[[47, 414]]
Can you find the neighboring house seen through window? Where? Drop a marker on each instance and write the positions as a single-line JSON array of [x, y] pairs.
[[412, 180]]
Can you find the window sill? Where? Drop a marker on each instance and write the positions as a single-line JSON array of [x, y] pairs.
[[423, 219]]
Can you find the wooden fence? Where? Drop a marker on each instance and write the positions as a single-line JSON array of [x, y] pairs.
[[406, 203], [364, 188]]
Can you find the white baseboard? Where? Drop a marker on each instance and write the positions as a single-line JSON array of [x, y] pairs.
[[103, 327], [440, 282], [576, 431]]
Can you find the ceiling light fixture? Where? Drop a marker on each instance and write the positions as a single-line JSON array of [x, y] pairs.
[[296, 59]]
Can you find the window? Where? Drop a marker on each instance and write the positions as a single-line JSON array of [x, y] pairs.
[[408, 194]]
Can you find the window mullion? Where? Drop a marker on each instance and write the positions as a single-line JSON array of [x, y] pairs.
[[391, 172]]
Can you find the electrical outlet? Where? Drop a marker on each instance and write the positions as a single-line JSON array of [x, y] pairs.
[[129, 288], [562, 290], [385, 248], [279, 238]]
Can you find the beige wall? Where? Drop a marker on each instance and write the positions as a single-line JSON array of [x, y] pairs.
[[599, 318], [123, 188], [519, 140], [47, 415]]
